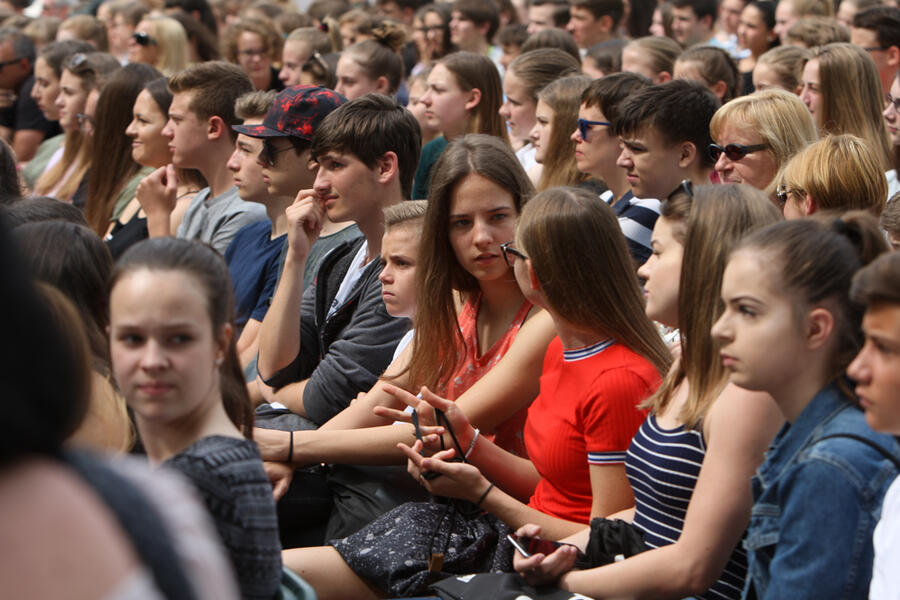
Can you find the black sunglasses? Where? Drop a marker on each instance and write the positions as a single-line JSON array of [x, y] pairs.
[[584, 126], [267, 156], [508, 250], [6, 63], [734, 152], [142, 38]]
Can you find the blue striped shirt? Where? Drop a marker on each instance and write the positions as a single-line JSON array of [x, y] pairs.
[[637, 216]]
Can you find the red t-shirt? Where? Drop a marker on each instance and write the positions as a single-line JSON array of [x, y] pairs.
[[585, 414]]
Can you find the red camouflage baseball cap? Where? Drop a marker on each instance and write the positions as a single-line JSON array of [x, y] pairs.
[[296, 112]]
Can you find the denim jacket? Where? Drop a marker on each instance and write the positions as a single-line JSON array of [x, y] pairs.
[[816, 504]]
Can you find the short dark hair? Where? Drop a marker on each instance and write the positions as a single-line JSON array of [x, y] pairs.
[[613, 9], [560, 11], [878, 282], [701, 8], [679, 110], [884, 21], [609, 92], [513, 34], [480, 12], [218, 85], [42, 208], [368, 127], [55, 53], [554, 37], [22, 45], [201, 7]]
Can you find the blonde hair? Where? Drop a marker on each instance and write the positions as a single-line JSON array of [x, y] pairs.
[[840, 172], [787, 64], [563, 96], [813, 8], [817, 31], [404, 212], [87, 28], [172, 42], [852, 99], [781, 119]]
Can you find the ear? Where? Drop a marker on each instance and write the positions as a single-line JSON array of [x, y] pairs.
[[484, 28], [688, 154], [532, 276], [474, 99], [663, 77], [819, 325], [606, 23], [719, 89], [216, 128], [387, 167], [381, 85], [808, 205], [707, 22], [893, 56], [223, 341]]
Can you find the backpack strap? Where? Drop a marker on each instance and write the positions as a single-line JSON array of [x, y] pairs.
[[141, 522], [867, 442]]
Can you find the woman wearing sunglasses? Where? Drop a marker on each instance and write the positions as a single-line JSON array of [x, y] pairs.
[[755, 135], [160, 42]]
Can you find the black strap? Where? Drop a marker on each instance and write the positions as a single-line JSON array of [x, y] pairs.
[[141, 522], [867, 442]]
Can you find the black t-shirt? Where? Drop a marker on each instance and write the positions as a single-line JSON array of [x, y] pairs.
[[25, 114]]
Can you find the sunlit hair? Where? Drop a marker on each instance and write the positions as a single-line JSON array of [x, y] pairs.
[[87, 28], [779, 117], [563, 96], [810, 8], [537, 68], [817, 31], [718, 217], [714, 65], [439, 275], [786, 62], [812, 262], [475, 71], [172, 42], [659, 52], [402, 213], [890, 216], [852, 99], [210, 273], [840, 172], [599, 291]]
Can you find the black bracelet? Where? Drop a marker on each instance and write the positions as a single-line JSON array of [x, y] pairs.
[[291, 448], [484, 495]]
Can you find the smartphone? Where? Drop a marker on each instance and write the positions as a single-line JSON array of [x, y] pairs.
[[529, 545]]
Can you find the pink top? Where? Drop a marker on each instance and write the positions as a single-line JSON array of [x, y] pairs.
[[508, 434]]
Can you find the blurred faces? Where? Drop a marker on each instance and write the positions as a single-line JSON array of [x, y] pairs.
[[294, 55], [418, 108], [247, 171], [811, 90], [662, 274], [730, 15], [45, 89], [764, 78], [757, 168], [585, 28], [540, 17], [887, 60], [519, 108], [149, 148], [148, 54], [876, 369], [785, 17], [352, 80], [891, 114], [290, 172], [542, 130], [399, 255], [466, 34], [753, 33], [253, 57], [118, 34], [447, 106], [14, 72], [635, 61], [70, 101], [687, 29]]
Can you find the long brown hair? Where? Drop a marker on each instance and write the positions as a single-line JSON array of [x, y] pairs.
[[474, 71], [719, 216], [563, 96], [439, 274], [582, 262]]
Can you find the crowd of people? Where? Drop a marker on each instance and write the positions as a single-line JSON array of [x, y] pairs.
[[355, 300]]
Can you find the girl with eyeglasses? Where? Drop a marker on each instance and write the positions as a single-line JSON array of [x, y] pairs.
[[891, 116], [254, 45], [690, 462], [161, 42], [431, 34], [754, 136]]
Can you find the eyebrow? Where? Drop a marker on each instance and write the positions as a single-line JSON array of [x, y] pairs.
[[490, 210]]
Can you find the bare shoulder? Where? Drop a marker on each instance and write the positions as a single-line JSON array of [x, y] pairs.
[[743, 416]]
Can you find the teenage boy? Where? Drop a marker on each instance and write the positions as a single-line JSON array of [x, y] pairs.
[[664, 135], [547, 14], [693, 21], [877, 31], [594, 21], [200, 137], [334, 340], [473, 24], [596, 151]]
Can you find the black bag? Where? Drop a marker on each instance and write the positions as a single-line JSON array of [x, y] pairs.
[[611, 538], [498, 586]]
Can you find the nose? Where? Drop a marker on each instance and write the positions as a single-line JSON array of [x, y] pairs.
[[720, 330], [570, 26], [535, 134], [722, 163], [624, 161], [283, 75], [646, 269], [233, 164], [426, 97], [576, 136], [890, 113], [167, 131], [504, 110], [386, 277], [153, 357], [130, 131], [859, 370]]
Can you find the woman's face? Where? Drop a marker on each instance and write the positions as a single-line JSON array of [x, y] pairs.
[[752, 31], [417, 108], [352, 80], [662, 274], [148, 146], [252, 55], [542, 130], [757, 168], [482, 216], [399, 255], [519, 108], [70, 101], [764, 77], [730, 15], [90, 113], [165, 356], [148, 54], [434, 34], [294, 55], [46, 89], [657, 29], [811, 90], [634, 61], [891, 115], [759, 336], [446, 104]]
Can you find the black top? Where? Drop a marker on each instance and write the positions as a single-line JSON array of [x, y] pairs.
[[123, 236]]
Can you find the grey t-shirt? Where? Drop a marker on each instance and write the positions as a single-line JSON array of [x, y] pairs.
[[216, 220]]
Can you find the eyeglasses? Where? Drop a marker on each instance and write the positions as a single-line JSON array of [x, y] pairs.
[[584, 126], [142, 38], [895, 102], [734, 152], [269, 152], [782, 192], [85, 122], [509, 251], [424, 29], [251, 53], [9, 62], [876, 48], [685, 187]]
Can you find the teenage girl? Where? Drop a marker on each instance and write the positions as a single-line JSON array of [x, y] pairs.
[[790, 329], [373, 65], [464, 96], [173, 356], [713, 67], [691, 460], [607, 357], [556, 117]]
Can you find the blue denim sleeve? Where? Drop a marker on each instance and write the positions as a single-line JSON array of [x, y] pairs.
[[822, 537]]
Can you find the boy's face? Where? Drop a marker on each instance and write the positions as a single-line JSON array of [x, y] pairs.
[[247, 171], [289, 172], [348, 188], [187, 134], [876, 368], [399, 254], [654, 167], [687, 28], [585, 28]]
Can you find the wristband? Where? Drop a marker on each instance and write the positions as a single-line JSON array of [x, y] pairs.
[[472, 443], [484, 495], [290, 457]]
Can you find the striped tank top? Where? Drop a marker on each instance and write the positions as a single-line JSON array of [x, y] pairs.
[[662, 467]]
